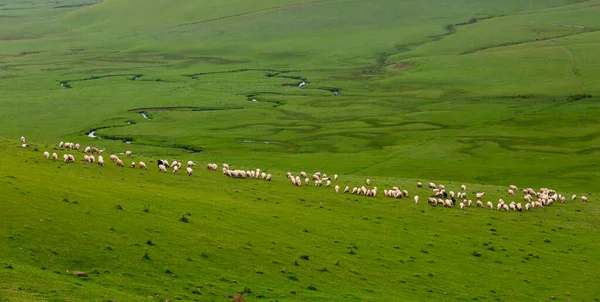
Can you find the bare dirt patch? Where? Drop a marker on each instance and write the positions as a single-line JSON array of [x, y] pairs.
[[400, 66]]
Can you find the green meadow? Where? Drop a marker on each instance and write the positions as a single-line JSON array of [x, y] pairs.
[[482, 93]]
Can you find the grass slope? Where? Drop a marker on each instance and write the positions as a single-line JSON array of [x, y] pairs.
[[253, 236], [482, 92]]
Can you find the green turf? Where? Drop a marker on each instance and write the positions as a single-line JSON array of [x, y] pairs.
[[487, 93]]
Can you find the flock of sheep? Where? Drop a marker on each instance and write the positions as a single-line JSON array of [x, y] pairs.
[[439, 196]]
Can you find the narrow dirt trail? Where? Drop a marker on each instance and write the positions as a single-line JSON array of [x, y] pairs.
[[576, 73]]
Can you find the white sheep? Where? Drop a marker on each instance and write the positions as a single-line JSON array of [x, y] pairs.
[[346, 189], [189, 171], [513, 187], [190, 163], [162, 168], [479, 204], [46, 155], [368, 182], [463, 187], [584, 198], [128, 153], [573, 197], [303, 174], [23, 140], [505, 207], [511, 192], [132, 164], [419, 184], [480, 195], [490, 205], [175, 169], [61, 145], [469, 203], [120, 163], [462, 205], [527, 206], [431, 186], [268, 177], [327, 184], [54, 156], [87, 149], [519, 207], [100, 161], [226, 166], [91, 159], [416, 198], [335, 177], [337, 189]]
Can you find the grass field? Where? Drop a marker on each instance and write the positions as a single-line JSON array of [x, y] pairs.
[[484, 93]]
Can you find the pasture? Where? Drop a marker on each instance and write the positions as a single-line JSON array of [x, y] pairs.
[[483, 93]]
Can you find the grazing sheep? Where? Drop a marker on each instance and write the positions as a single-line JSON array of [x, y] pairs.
[[175, 169], [404, 193], [490, 205], [335, 177], [584, 198], [505, 206], [368, 182], [46, 155], [513, 207], [462, 205], [100, 161], [354, 190], [120, 163], [511, 192], [268, 177], [190, 163], [513, 187], [480, 195], [463, 187], [61, 145], [303, 174], [113, 158], [128, 153], [419, 184], [226, 166], [337, 189], [76, 147], [24, 145], [142, 165], [469, 203], [573, 197], [189, 171], [539, 204], [527, 206], [451, 193], [66, 158], [299, 182], [132, 164], [416, 198], [432, 185], [162, 168], [23, 139], [327, 184], [527, 198], [479, 204], [519, 207], [54, 156], [71, 158], [91, 159], [346, 189], [87, 149]]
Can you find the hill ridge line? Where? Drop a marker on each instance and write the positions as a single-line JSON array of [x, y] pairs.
[[254, 12]]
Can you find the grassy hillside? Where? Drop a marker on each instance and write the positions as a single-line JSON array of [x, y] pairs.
[[254, 236], [485, 93]]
